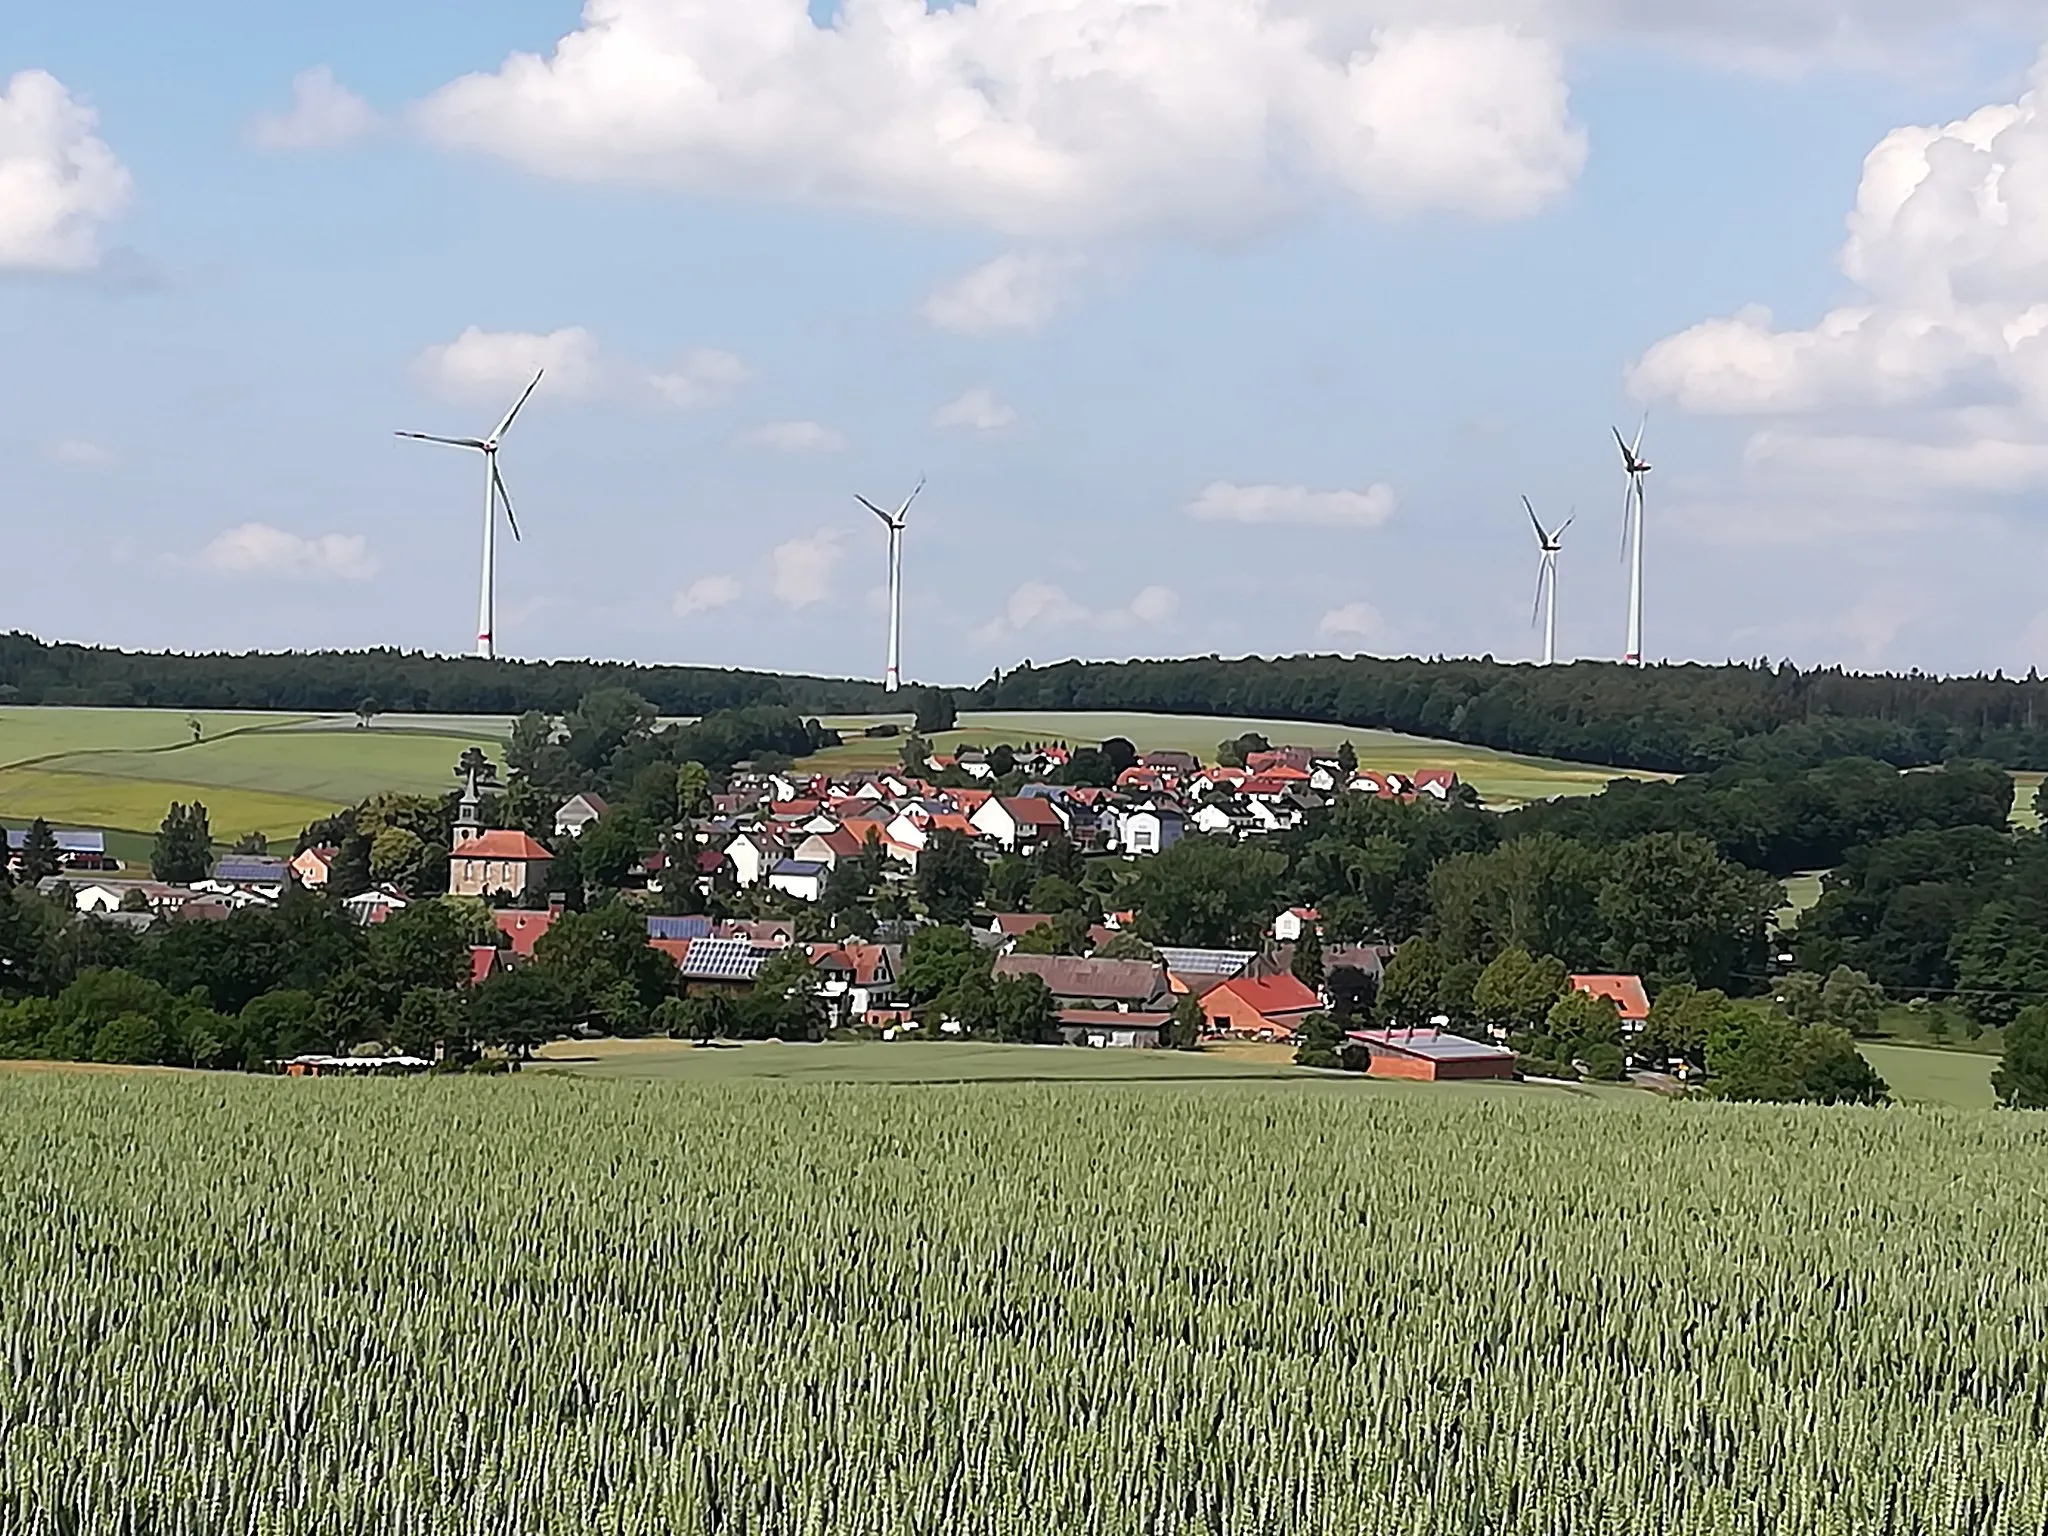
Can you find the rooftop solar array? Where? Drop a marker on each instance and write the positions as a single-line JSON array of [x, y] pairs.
[[679, 927], [1207, 962], [252, 871], [722, 960], [68, 840]]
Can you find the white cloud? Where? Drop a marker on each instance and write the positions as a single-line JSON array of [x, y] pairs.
[[1293, 505], [1036, 118], [257, 549], [705, 594], [978, 409], [800, 569], [1936, 376], [704, 377], [493, 366], [797, 437], [1354, 621], [490, 365], [1017, 291], [1042, 606], [80, 451], [324, 114], [59, 183]]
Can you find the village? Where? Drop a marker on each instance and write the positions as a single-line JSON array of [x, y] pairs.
[[759, 865]]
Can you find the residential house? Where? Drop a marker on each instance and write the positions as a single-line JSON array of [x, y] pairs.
[[830, 849], [764, 933], [524, 929], [1432, 1056], [1019, 823], [1150, 829], [856, 976], [1437, 783], [251, 869], [1127, 986], [1008, 927], [502, 862], [1294, 760], [312, 867], [1260, 1007], [576, 813], [1630, 998], [752, 854], [802, 878], [368, 908], [1179, 764], [1288, 926], [102, 897]]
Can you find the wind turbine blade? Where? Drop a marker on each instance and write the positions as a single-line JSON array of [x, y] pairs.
[[1558, 537], [1536, 608], [498, 485], [910, 498], [887, 521], [1635, 450], [452, 442], [1541, 537], [517, 406], [1622, 443], [1628, 509]]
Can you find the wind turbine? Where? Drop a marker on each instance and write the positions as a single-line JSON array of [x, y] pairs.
[[494, 493], [893, 521], [1546, 578], [1638, 470]]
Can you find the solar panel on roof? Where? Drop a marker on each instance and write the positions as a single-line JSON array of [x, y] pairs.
[[250, 870], [679, 927], [722, 960], [1207, 962]]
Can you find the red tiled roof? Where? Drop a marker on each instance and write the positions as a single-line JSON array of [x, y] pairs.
[[503, 845], [523, 929], [677, 950], [1270, 996], [1032, 811], [1014, 924], [483, 962], [1625, 992], [842, 842]]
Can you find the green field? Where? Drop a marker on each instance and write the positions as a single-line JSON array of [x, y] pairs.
[[271, 773], [1802, 891], [1502, 779], [552, 1305], [1920, 1075]]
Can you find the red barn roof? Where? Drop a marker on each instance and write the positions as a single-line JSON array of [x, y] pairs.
[[1625, 992]]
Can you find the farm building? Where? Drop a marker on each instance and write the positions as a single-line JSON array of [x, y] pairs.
[[1260, 1007], [1124, 986], [77, 848], [1106, 1028], [1432, 1056], [251, 869], [1630, 998]]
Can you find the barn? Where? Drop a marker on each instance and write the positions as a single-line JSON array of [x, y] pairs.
[[1432, 1056]]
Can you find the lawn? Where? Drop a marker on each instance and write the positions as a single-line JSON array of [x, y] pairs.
[[2025, 785], [1502, 779], [118, 769], [1918, 1075], [1802, 891]]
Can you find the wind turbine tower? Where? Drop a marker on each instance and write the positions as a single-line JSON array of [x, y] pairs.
[[1638, 471], [494, 494], [1546, 581], [894, 521]]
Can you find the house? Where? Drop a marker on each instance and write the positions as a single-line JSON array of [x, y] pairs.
[[1294, 760], [1011, 926], [103, 897], [752, 855], [576, 813], [678, 927], [1432, 1056], [367, 907], [1437, 783], [311, 867], [77, 847], [1631, 1000], [485, 961], [1107, 1028], [1150, 829], [728, 963], [1019, 823], [251, 869], [860, 976], [1224, 816], [524, 929], [1127, 986], [354, 1066], [1260, 1007], [830, 849], [767, 933], [802, 878], [496, 863], [1288, 926], [1180, 764], [1197, 970]]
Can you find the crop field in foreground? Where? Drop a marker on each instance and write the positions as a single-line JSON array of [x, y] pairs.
[[1502, 779], [270, 773], [550, 1306]]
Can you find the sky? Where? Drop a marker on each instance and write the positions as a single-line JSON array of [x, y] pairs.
[[1216, 326]]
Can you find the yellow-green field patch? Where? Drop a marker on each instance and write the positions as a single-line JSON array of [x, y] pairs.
[[1916, 1075], [138, 805], [343, 765], [30, 733]]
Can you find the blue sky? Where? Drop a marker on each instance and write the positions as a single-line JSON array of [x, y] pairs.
[[1218, 327]]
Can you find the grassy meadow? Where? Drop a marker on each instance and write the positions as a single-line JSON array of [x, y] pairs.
[[118, 769], [553, 1305]]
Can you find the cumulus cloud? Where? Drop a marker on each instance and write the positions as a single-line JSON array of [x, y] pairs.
[[1292, 505], [705, 594], [324, 114], [1936, 376], [1042, 607], [1353, 621], [59, 183], [1017, 291], [796, 437], [978, 410], [257, 549], [801, 569], [490, 366], [1035, 118]]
